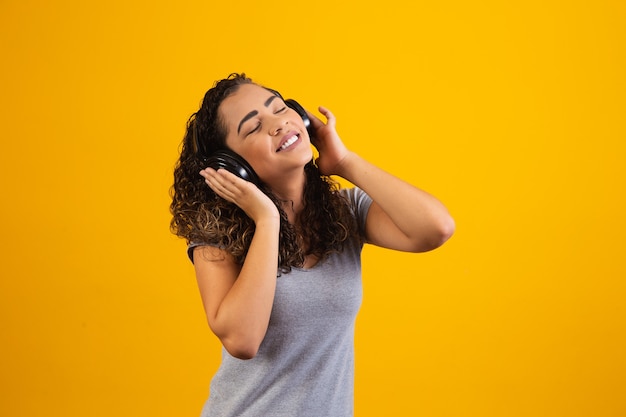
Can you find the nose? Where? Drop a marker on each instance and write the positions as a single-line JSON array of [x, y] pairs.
[[279, 124]]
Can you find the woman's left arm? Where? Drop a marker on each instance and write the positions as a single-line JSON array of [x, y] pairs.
[[402, 216]]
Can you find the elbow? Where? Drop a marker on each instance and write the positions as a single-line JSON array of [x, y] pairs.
[[441, 232], [243, 354], [241, 349], [446, 229], [241, 342]]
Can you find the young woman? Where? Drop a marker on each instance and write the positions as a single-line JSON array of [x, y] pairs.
[[277, 261]]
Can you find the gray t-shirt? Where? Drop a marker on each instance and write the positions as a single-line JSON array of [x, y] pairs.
[[305, 364]]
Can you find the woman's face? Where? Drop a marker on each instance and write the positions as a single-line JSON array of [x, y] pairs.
[[266, 133]]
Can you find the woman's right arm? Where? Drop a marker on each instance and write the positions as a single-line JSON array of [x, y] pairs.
[[238, 299]]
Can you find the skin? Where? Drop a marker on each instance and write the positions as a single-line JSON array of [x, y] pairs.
[[238, 299]]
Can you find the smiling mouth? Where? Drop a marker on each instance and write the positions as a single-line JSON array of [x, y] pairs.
[[288, 143]]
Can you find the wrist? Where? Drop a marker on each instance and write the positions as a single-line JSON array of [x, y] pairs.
[[268, 221], [346, 166]]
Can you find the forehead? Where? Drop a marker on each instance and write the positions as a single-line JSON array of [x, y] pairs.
[[247, 98]]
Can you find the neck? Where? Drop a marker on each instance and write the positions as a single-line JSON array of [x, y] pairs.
[[291, 194]]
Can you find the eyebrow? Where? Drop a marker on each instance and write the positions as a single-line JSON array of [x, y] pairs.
[[254, 113]]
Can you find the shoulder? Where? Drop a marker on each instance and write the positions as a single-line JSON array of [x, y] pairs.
[[359, 203], [202, 247]]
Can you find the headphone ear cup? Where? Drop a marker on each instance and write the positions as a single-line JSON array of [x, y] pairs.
[[293, 104], [234, 163]]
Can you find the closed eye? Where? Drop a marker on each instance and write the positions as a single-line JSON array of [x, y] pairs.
[[257, 127]]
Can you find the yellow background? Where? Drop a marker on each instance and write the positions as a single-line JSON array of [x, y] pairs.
[[512, 113]]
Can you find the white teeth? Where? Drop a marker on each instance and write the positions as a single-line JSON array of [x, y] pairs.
[[289, 142]]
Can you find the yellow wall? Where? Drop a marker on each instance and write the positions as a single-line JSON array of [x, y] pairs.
[[511, 112]]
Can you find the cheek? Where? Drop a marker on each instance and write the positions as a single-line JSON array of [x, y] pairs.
[[257, 154], [247, 148]]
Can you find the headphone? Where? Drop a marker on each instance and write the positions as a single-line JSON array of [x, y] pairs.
[[233, 162]]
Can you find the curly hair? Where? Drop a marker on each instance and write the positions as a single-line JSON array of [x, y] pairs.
[[202, 217]]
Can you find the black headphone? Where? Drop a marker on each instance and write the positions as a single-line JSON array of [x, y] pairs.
[[232, 162]]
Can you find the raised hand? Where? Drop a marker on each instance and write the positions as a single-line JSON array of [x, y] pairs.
[[243, 193], [332, 151]]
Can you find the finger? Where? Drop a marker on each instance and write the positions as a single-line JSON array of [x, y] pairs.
[[216, 185], [315, 121], [207, 172], [220, 184], [229, 178], [330, 117], [232, 186], [225, 192]]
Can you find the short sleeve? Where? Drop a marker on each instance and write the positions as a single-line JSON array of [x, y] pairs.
[[191, 246], [360, 204]]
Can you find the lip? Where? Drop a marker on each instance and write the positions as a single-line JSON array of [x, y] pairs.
[[286, 137]]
